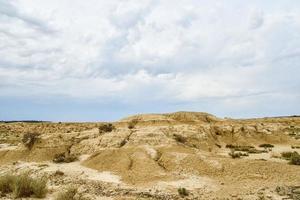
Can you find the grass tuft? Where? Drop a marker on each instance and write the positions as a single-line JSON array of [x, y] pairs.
[[183, 192], [23, 185], [68, 194], [6, 183]]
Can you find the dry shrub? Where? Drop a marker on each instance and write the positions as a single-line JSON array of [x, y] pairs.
[[234, 154], [183, 192], [132, 123], [68, 194], [6, 183], [257, 151], [106, 128], [180, 138], [29, 139], [123, 142], [23, 185], [245, 148], [295, 159], [230, 146], [287, 155], [239, 147], [63, 158], [266, 145]]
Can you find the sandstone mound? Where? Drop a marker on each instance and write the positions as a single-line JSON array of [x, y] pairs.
[[192, 117], [182, 116], [135, 165], [146, 164], [145, 117]]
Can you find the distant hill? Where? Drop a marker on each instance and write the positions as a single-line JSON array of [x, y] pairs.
[[24, 121]]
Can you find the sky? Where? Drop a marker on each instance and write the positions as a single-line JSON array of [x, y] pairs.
[[100, 60]]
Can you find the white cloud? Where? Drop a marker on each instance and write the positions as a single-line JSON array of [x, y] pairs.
[[134, 51]]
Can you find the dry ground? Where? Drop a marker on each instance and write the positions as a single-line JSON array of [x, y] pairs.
[[157, 155]]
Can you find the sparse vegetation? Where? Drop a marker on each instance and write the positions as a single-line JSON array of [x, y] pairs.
[[184, 156], [29, 139], [295, 147], [246, 148], [257, 151], [180, 138], [123, 142], [6, 183], [295, 158], [234, 154], [218, 145], [23, 185], [287, 155], [230, 146], [183, 192], [105, 128], [68, 194], [266, 145], [132, 124], [239, 147], [63, 158]]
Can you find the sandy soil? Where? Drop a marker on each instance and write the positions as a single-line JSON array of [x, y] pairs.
[[157, 156]]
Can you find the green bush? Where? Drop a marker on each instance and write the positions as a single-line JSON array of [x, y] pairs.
[[67, 195], [29, 139], [183, 192], [23, 185]]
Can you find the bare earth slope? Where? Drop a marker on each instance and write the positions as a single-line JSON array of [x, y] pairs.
[[151, 156]]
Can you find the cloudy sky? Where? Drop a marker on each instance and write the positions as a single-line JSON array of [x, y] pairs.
[[75, 60]]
